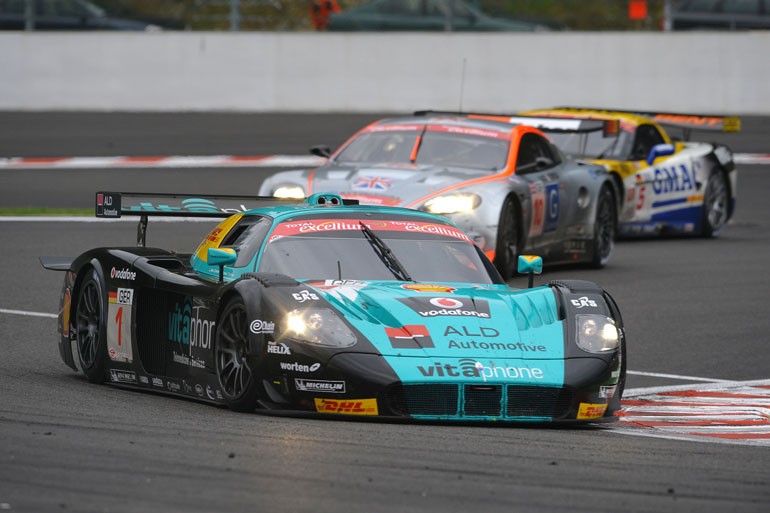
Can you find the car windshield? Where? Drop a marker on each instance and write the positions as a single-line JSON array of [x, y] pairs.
[[319, 249], [449, 146], [594, 145]]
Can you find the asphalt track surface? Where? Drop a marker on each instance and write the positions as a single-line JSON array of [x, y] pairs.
[[696, 311]]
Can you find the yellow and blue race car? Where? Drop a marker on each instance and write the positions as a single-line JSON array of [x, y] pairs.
[[666, 185], [324, 306]]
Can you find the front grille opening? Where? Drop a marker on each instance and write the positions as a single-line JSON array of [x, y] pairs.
[[528, 401], [428, 399], [483, 401]]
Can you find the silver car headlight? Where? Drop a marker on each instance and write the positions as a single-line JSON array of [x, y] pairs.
[[319, 326], [597, 333], [452, 203], [289, 191]]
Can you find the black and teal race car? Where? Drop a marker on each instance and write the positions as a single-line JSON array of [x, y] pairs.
[[328, 307]]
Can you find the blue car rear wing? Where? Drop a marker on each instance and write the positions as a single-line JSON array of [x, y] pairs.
[[118, 204]]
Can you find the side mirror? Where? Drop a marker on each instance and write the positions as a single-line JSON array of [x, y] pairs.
[[321, 150], [660, 150], [221, 257], [530, 265]]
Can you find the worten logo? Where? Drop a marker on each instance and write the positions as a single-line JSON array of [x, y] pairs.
[[469, 368], [410, 336], [447, 307]]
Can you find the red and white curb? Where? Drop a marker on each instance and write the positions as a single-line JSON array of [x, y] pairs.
[[735, 412], [181, 162], [162, 162]]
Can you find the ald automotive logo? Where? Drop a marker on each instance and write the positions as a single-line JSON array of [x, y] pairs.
[[447, 307]]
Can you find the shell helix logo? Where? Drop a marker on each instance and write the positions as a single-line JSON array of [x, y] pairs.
[[122, 274], [347, 407]]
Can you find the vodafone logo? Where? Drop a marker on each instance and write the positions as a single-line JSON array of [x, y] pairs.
[[122, 274], [446, 302]]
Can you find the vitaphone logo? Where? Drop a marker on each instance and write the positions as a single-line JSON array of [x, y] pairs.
[[447, 307], [470, 368], [186, 327], [673, 179]]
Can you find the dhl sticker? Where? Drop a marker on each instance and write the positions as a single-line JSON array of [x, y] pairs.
[[591, 411], [347, 407]]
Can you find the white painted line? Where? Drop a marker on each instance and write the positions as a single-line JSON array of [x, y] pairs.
[[88, 219], [31, 314], [170, 161], [715, 386], [675, 376], [751, 158]]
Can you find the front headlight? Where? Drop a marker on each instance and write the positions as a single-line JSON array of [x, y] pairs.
[[289, 191], [597, 333], [319, 326], [452, 203]]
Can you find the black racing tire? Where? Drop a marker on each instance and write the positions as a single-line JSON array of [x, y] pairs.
[[233, 367], [507, 247], [605, 228], [91, 323], [716, 204]]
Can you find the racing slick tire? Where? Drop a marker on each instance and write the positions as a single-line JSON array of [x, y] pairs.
[[715, 204], [507, 247], [604, 228], [233, 368], [91, 322]]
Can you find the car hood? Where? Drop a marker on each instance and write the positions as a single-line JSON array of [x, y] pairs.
[[391, 184], [450, 320]]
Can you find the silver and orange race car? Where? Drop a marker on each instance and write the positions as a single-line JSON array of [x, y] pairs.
[[504, 184], [667, 186]]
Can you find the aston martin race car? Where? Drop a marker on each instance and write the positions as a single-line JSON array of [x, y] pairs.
[[504, 184], [325, 307], [667, 186]]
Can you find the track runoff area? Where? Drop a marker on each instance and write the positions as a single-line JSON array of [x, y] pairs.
[[704, 410]]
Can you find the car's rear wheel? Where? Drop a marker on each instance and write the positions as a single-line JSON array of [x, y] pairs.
[[91, 322], [715, 204], [604, 228], [234, 371], [507, 248]]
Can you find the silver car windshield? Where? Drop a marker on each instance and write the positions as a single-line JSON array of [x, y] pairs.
[[593, 145], [435, 148]]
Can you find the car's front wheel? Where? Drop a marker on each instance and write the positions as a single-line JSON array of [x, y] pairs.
[[234, 371], [604, 228], [91, 323], [507, 248], [715, 204]]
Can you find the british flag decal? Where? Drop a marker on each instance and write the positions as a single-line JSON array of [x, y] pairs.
[[376, 183]]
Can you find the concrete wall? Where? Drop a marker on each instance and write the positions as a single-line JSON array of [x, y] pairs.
[[369, 72]]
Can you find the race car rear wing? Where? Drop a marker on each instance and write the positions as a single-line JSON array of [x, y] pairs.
[[687, 122], [113, 205], [546, 124]]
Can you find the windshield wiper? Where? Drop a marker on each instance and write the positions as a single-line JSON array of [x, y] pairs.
[[385, 254]]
